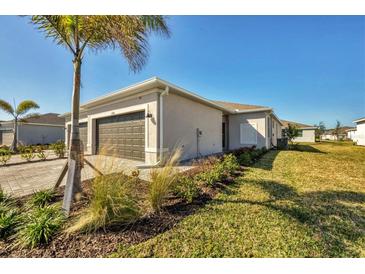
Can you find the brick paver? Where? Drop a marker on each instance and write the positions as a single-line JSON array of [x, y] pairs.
[[23, 179]]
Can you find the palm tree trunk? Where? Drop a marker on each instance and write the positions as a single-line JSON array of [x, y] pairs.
[[15, 137], [73, 183]]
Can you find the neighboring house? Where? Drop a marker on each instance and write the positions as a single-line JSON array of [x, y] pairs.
[[149, 119], [45, 129], [351, 133], [330, 134], [360, 131], [307, 133]]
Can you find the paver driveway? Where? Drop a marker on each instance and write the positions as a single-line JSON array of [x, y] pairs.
[[23, 179]]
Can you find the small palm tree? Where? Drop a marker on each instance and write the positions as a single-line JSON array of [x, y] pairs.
[[20, 114], [77, 33]]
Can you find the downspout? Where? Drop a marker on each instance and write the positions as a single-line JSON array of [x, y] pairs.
[[165, 92], [162, 93]]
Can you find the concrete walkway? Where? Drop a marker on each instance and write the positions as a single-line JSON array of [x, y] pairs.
[[23, 179]]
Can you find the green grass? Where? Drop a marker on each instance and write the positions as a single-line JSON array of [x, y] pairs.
[[308, 203]]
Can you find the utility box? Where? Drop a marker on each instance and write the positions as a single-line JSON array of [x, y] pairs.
[[282, 143]]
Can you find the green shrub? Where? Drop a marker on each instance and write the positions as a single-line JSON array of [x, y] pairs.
[[245, 159], [212, 176], [5, 156], [186, 188], [42, 198], [230, 163], [28, 154], [263, 150], [162, 182], [113, 200], [40, 225], [255, 154], [9, 221], [59, 148]]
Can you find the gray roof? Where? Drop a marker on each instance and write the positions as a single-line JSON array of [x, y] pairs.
[[47, 119]]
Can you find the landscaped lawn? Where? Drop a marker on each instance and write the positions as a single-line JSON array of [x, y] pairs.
[[307, 203]]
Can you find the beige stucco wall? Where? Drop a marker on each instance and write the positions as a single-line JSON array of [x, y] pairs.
[[234, 129], [182, 117], [274, 130], [6, 138], [147, 103], [40, 134], [328, 137], [308, 136], [360, 134]]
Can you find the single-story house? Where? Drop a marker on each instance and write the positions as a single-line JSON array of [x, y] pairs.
[[146, 120], [45, 129], [307, 133], [360, 131], [351, 133]]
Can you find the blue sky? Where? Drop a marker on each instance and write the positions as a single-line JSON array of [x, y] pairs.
[[308, 68]]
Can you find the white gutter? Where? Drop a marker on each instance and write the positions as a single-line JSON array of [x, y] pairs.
[[165, 92], [252, 110]]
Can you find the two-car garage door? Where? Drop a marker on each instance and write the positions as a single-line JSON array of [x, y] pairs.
[[122, 136]]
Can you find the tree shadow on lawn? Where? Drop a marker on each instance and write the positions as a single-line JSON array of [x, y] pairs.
[[266, 162], [306, 148], [327, 213]]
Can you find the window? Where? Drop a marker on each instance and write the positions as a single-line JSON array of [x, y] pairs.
[[248, 134], [300, 133]]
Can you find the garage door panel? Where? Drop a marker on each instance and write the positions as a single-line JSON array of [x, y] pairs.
[[121, 136]]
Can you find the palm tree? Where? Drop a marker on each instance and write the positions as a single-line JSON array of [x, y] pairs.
[[76, 33], [19, 114]]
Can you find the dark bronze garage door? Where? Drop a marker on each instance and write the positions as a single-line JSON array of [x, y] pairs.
[[121, 136]]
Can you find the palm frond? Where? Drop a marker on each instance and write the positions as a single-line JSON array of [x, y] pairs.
[[25, 106], [157, 24], [5, 106], [58, 28], [127, 33]]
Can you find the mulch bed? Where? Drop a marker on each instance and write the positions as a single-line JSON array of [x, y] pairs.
[[102, 243]]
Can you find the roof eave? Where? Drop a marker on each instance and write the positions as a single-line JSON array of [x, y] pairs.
[[359, 120], [143, 86], [252, 110]]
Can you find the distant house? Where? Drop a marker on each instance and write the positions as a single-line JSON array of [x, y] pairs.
[[307, 133], [45, 129], [331, 135], [359, 137], [351, 133]]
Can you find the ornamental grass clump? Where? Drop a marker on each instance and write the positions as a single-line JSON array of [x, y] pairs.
[[40, 225], [42, 198], [41, 154], [28, 154], [9, 220], [113, 201], [162, 182], [59, 149], [5, 156]]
